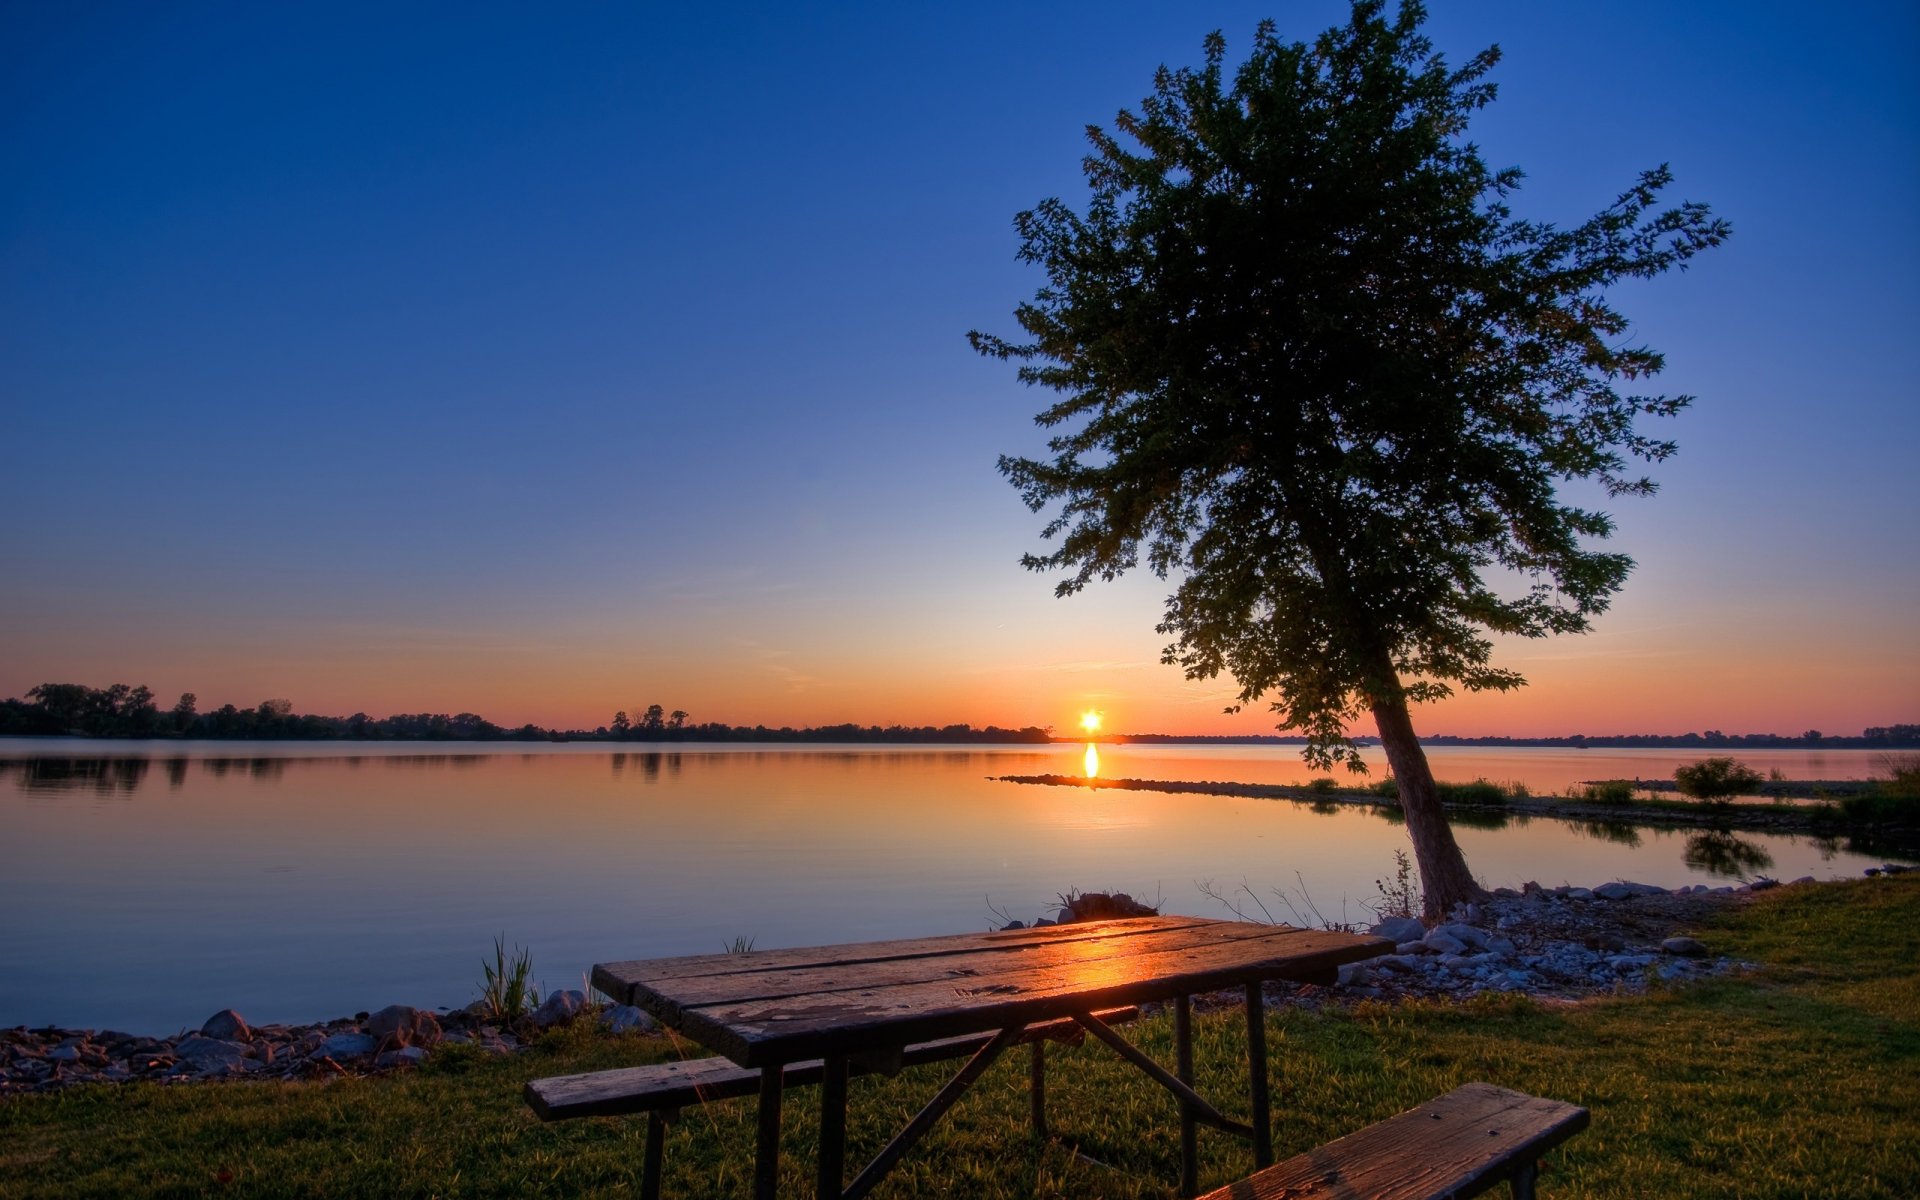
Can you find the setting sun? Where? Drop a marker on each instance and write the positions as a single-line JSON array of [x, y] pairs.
[[1090, 721]]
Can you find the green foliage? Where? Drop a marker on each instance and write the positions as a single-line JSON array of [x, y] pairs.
[[1894, 800], [507, 990], [1717, 779], [1312, 366], [1610, 791], [1480, 791], [1387, 789], [1322, 784]]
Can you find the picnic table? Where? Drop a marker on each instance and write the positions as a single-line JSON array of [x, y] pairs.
[[858, 1007]]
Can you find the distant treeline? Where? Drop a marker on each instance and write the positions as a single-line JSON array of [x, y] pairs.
[[1879, 737], [60, 709]]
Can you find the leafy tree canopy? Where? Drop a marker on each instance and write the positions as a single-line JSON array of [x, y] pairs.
[[1313, 368]]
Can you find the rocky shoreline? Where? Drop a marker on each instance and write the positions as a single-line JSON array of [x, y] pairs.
[[1562, 943]]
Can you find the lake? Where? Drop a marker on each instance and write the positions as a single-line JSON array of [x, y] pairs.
[[148, 885]]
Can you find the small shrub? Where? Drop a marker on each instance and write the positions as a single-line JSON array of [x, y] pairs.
[[1480, 791], [1387, 789], [1717, 780], [1322, 784], [741, 945], [1400, 898], [507, 991], [1610, 791]]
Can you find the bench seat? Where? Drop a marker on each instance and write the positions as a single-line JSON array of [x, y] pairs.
[[667, 1086], [1458, 1145]]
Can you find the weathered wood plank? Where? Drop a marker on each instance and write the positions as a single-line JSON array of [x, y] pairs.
[[613, 977], [753, 1033], [670, 1085], [1458, 1145], [978, 968]]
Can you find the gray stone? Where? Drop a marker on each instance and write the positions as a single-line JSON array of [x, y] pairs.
[[559, 1008], [1014, 925], [211, 1055], [1624, 963], [347, 1045], [1355, 974], [625, 1018], [1466, 934], [1443, 943], [1400, 929], [228, 1026], [1501, 945], [68, 1054], [1410, 948], [1803, 879], [1579, 893], [405, 1056], [1685, 947], [1623, 889]]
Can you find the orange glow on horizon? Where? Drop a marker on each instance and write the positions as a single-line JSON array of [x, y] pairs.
[[1090, 721]]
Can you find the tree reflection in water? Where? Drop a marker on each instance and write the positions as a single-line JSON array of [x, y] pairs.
[[1720, 852]]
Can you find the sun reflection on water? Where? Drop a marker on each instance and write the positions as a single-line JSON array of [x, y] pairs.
[[1091, 761]]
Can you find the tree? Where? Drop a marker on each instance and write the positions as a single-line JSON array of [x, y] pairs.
[[1717, 779], [1314, 370], [621, 725], [654, 719]]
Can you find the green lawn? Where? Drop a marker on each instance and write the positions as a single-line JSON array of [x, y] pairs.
[[1802, 1080]]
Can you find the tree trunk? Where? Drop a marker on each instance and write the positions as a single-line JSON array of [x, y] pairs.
[[1444, 878]]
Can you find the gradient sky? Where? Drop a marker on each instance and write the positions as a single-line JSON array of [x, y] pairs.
[[479, 357]]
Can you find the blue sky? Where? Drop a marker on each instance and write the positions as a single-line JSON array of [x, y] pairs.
[[541, 363]]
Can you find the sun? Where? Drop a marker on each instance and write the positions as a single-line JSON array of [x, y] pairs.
[[1090, 721]]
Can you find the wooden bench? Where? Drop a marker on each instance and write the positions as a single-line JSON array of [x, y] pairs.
[[1459, 1145], [663, 1089]]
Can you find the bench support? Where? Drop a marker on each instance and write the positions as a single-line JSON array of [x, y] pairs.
[[1257, 1075], [766, 1147], [833, 1126], [1203, 1112], [1037, 1091], [935, 1109], [1183, 1069]]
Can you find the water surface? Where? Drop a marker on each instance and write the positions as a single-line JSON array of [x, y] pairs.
[[149, 884]]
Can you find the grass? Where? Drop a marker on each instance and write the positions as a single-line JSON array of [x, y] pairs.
[[1802, 1079]]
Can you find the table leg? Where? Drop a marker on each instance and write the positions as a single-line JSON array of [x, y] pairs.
[[1183, 1071], [766, 1152], [833, 1127], [1257, 1075], [650, 1165]]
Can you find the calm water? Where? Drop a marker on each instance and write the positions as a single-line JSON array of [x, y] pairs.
[[147, 885]]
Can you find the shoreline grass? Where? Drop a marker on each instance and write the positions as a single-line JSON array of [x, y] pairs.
[[1802, 1078]]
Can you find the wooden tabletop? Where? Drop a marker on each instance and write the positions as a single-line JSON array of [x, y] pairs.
[[779, 1006]]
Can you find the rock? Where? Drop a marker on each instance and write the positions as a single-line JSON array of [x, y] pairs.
[[1894, 868], [1013, 925], [1042, 923], [1761, 883], [1443, 943], [1500, 945], [1466, 934], [559, 1008], [405, 1056], [1685, 947], [1579, 893], [211, 1055], [1801, 880], [1355, 974], [1625, 963], [64, 1054], [347, 1045], [1400, 929], [1410, 948], [1626, 889], [1099, 906], [227, 1026], [1872, 872], [400, 1025], [625, 1018]]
